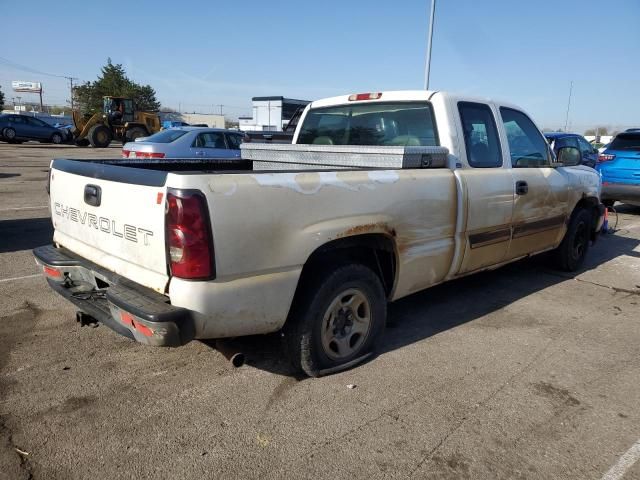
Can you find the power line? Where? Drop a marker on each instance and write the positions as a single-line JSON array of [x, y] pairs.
[[25, 68], [19, 66]]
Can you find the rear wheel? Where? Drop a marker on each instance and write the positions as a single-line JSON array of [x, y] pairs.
[[336, 319], [135, 132], [100, 136], [9, 133], [572, 251]]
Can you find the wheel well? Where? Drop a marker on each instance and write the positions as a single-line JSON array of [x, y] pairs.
[[376, 251], [590, 204]]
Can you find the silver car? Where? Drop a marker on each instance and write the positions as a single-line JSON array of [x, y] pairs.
[[186, 142]]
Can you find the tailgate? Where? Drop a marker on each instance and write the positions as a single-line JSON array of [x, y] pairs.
[[113, 216]]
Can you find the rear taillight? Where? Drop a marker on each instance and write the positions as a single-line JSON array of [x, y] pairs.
[[605, 157], [125, 153], [189, 239], [149, 155]]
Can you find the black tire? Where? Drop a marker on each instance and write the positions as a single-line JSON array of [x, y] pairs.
[[570, 255], [100, 136], [56, 138], [608, 203], [307, 346], [135, 132], [83, 142], [9, 134]]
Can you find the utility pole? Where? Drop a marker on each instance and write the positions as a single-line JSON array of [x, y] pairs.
[[41, 108], [219, 105], [566, 120], [427, 68], [71, 79]]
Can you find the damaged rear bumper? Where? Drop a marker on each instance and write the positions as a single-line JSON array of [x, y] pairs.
[[127, 308]]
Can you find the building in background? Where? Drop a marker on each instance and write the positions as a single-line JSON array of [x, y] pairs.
[[208, 119], [270, 113]]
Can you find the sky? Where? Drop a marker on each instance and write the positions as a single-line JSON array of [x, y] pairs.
[[202, 54]]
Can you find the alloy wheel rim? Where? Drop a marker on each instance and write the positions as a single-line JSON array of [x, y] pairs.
[[346, 324]]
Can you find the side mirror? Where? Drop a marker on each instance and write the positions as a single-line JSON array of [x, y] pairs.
[[569, 156]]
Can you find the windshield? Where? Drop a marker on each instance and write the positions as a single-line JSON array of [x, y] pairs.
[[398, 123], [626, 141], [166, 136]]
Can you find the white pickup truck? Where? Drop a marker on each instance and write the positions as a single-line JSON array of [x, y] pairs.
[[381, 195]]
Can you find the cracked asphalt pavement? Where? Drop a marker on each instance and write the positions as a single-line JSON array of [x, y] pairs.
[[524, 372]]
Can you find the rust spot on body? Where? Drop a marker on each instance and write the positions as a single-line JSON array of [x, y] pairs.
[[369, 228]]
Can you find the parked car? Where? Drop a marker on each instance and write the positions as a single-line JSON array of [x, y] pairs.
[[619, 166], [557, 140], [186, 142], [19, 128], [380, 195], [173, 123]]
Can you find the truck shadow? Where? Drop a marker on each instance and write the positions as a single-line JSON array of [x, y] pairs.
[[24, 234], [435, 310]]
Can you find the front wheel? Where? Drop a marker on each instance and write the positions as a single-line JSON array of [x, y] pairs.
[[100, 136], [572, 251], [336, 320], [56, 138]]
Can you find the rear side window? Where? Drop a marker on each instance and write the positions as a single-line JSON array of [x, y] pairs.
[[585, 147], [626, 141], [166, 136], [480, 135], [234, 141], [384, 123], [210, 140], [564, 142], [527, 146]]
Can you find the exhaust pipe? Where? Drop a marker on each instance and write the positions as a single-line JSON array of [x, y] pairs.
[[230, 353]]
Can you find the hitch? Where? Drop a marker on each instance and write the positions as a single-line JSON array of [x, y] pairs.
[[84, 319]]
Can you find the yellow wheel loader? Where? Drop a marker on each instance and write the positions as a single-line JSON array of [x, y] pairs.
[[118, 120]]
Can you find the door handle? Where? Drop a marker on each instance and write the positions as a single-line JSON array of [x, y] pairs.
[[200, 153], [522, 188]]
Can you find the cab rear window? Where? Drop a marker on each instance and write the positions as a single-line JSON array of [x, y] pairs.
[[384, 123], [626, 141]]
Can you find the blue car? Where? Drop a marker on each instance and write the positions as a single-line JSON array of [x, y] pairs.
[[619, 166], [20, 128], [589, 154]]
